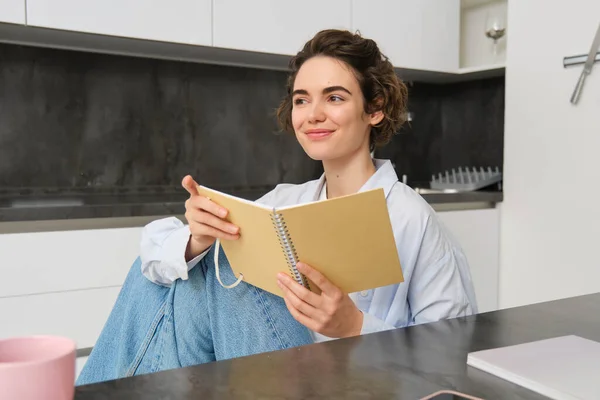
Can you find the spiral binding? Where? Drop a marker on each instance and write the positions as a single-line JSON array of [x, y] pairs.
[[288, 248]]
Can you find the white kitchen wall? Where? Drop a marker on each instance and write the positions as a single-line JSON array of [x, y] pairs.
[[476, 49], [550, 217]]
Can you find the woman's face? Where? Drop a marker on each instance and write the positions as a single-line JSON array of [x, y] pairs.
[[328, 110]]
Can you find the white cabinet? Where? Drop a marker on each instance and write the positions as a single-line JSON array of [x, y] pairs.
[[275, 26], [477, 232], [12, 11], [71, 290], [180, 21], [415, 34], [78, 315]]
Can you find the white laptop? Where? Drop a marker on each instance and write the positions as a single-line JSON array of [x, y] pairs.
[[561, 368]]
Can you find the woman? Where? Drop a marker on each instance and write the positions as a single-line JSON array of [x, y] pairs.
[[343, 99]]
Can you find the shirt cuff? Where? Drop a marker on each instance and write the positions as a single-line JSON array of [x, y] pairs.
[[192, 263], [372, 324], [173, 262]]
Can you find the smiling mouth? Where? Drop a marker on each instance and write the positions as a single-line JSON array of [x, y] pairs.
[[316, 134]]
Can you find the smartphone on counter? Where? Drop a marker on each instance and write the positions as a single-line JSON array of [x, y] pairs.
[[450, 395]]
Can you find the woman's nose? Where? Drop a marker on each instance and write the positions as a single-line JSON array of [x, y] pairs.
[[317, 113]]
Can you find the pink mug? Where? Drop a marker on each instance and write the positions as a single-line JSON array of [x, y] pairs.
[[37, 367]]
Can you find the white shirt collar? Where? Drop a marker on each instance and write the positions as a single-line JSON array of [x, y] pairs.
[[323, 193], [385, 177]]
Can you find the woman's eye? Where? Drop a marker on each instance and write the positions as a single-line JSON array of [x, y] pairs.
[[299, 101], [335, 98]]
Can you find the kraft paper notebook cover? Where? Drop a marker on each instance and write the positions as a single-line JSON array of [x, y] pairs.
[[348, 239], [561, 368]]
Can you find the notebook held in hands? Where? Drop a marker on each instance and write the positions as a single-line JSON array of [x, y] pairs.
[[348, 239]]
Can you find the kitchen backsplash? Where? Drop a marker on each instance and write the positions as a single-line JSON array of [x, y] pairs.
[[454, 125], [76, 119]]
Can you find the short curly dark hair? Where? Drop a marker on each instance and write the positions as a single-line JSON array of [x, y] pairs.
[[380, 86]]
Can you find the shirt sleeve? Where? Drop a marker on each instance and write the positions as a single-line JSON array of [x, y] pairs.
[[163, 245], [162, 251], [440, 286]]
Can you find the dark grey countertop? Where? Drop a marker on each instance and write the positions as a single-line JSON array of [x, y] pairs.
[[60, 204], [406, 363]]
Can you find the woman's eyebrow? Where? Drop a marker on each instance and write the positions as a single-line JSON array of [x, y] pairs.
[[300, 91], [328, 89], [335, 89]]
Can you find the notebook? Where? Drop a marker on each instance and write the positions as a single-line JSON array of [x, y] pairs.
[[348, 239], [561, 368]]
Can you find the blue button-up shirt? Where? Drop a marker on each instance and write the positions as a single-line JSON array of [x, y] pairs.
[[437, 281]]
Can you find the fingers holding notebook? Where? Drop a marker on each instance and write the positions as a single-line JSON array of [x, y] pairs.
[[206, 221], [331, 313], [190, 185]]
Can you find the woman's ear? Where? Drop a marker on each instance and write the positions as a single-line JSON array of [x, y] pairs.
[[376, 117]]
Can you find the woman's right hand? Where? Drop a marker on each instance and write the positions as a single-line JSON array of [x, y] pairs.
[[206, 221]]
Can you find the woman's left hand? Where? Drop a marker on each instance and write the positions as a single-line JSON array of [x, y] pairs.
[[332, 313]]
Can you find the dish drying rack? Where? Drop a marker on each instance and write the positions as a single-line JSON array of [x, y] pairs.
[[466, 179]]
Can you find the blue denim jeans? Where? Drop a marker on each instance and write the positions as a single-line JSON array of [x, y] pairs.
[[153, 328]]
